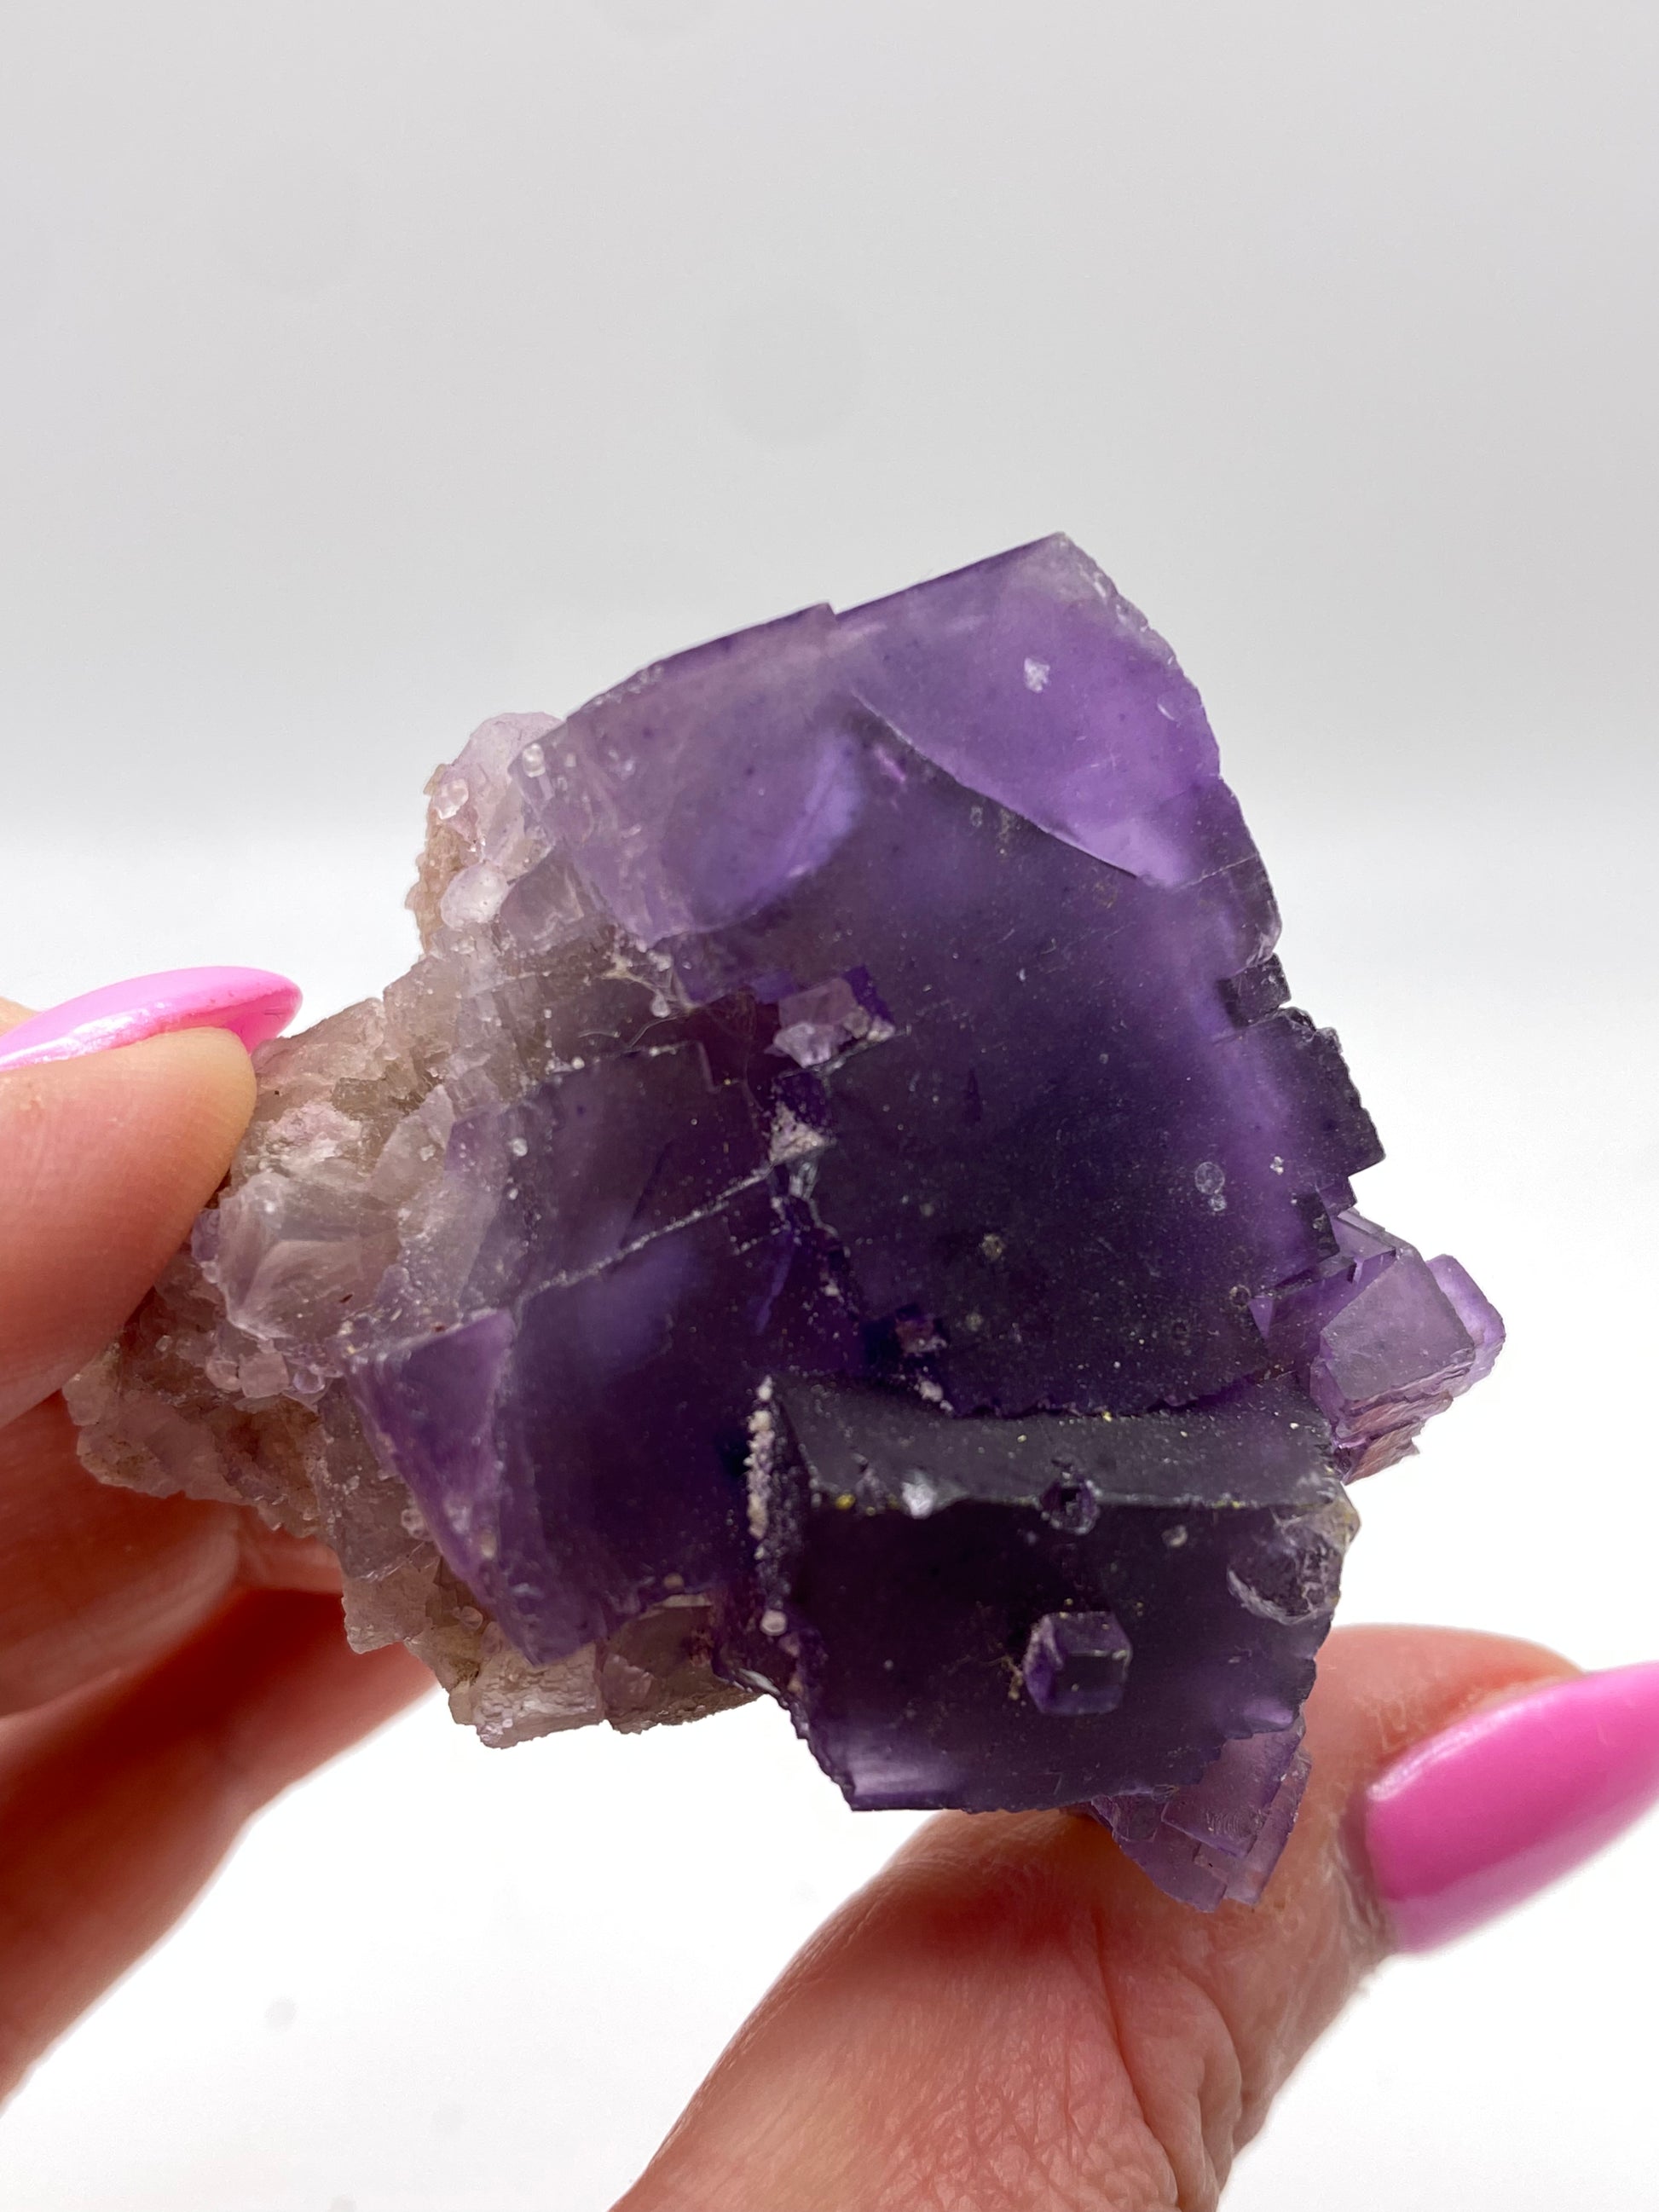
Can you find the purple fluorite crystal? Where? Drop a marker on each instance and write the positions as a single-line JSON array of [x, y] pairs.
[[1221, 1836], [980, 1611], [841, 1208]]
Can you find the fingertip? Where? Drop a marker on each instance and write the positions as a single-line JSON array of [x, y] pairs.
[[1506, 1796], [254, 1003], [301, 1695], [198, 1083], [208, 1076], [106, 1159], [1382, 1687]]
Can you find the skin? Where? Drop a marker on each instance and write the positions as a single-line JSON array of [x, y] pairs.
[[1008, 2019]]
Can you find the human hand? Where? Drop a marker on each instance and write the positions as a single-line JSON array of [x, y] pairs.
[[165, 1666], [1011, 2018]]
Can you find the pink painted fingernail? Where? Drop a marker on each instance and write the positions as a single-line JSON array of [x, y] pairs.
[[251, 1002], [1509, 1798]]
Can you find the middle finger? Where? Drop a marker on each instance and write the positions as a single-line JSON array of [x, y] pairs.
[[95, 1580]]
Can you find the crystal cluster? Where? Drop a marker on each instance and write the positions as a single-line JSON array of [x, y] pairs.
[[839, 1208]]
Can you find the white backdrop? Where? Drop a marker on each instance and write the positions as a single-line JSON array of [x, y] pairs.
[[366, 368]]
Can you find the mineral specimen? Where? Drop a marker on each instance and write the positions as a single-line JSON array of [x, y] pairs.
[[839, 1208]]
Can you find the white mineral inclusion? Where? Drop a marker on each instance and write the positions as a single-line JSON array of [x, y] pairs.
[[920, 1495], [475, 896]]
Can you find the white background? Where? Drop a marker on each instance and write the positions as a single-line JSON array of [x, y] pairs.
[[368, 367]]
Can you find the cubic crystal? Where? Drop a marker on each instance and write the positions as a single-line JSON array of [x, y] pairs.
[[842, 1207]]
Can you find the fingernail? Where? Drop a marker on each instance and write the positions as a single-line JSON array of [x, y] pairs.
[[1510, 1798], [251, 1002]]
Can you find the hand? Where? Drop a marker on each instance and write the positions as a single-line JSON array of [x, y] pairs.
[[166, 1667], [1011, 2018]]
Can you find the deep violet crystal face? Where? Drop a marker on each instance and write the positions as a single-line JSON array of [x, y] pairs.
[[841, 1208]]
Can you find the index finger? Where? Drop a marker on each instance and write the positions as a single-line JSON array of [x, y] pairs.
[[105, 1162]]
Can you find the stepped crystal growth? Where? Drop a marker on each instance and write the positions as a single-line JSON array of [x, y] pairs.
[[840, 1207]]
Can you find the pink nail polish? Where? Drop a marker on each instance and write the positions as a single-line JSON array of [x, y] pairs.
[[251, 1002], [1496, 1807]]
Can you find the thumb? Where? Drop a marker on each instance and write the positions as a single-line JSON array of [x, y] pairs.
[[104, 1161], [1010, 2017]]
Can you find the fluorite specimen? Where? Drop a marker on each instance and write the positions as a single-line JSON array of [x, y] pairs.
[[841, 1208]]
